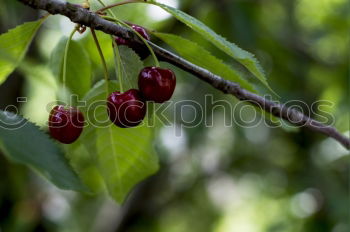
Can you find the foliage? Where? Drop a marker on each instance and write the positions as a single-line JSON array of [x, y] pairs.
[[201, 57], [211, 178], [120, 161], [242, 56], [78, 70], [13, 46], [23, 142], [123, 156]]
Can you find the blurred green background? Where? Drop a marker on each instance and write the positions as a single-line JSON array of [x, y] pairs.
[[220, 179]]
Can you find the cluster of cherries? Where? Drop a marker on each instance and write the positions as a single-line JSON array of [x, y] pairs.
[[126, 109]]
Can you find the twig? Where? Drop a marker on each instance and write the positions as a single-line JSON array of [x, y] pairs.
[[90, 19]]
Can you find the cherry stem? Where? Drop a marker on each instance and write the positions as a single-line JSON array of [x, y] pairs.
[[138, 34], [117, 4], [105, 69], [117, 60], [115, 19], [64, 72], [104, 6]]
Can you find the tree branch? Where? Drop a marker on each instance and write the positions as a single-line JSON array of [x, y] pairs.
[[90, 19]]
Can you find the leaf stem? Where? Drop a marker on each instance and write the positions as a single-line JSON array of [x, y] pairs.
[[105, 69]]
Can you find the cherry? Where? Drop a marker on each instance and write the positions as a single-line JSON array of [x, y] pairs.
[[157, 84], [65, 123], [141, 30], [126, 109], [121, 41], [139, 49]]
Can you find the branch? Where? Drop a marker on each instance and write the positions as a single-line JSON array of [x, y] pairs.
[[90, 19]]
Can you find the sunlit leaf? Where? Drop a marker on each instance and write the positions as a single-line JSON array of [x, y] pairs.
[[106, 46], [23, 142], [82, 157], [124, 156], [82, 154], [78, 72], [14, 45]]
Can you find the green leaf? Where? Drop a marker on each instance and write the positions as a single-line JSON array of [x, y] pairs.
[[23, 142], [125, 156], [245, 58], [82, 154], [201, 57], [106, 46], [14, 45], [131, 66], [82, 157], [78, 73]]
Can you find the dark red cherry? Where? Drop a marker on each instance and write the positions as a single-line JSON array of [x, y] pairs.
[[141, 50], [141, 30], [157, 84], [65, 123], [121, 41], [126, 109]]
